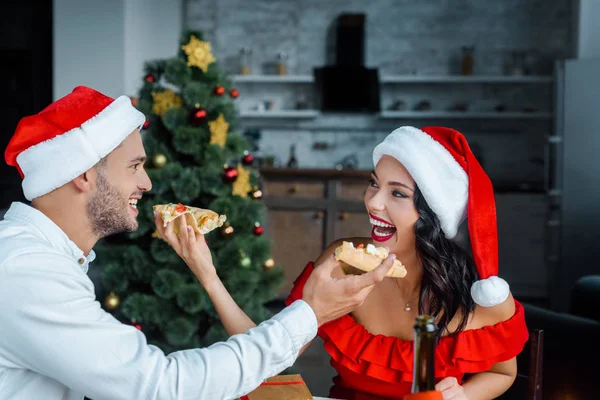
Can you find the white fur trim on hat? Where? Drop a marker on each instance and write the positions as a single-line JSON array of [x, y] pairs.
[[51, 164], [490, 292], [443, 182]]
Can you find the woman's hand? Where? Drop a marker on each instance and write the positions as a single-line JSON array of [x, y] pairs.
[[190, 246], [450, 389]]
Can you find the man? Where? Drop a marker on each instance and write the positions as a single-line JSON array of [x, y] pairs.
[[82, 163]]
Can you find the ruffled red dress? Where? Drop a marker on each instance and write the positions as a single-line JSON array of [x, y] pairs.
[[377, 366]]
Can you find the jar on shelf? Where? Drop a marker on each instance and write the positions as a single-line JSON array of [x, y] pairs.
[[466, 62], [282, 60], [245, 60]]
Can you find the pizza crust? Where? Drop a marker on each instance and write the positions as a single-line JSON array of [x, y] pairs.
[[201, 220], [361, 260]]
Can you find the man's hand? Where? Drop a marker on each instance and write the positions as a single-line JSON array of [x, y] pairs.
[[330, 298]]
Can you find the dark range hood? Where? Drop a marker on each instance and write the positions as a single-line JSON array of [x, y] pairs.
[[347, 86]]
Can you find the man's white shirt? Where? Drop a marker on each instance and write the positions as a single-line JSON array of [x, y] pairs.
[[57, 343]]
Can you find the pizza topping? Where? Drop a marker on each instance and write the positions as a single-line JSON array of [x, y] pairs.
[[377, 251], [360, 246], [180, 208]]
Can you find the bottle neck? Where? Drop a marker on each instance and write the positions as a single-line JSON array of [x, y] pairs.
[[424, 356]]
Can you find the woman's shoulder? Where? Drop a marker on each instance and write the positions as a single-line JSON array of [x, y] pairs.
[[335, 244], [488, 316], [483, 317]]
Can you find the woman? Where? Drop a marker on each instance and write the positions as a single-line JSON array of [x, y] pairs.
[[424, 184]]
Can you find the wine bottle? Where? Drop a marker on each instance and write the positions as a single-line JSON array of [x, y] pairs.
[[424, 356]]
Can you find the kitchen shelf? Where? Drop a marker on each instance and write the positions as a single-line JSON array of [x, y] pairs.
[[463, 115], [273, 78], [466, 79], [280, 114], [497, 79]]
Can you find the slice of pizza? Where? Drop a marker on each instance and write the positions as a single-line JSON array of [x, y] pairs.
[[201, 220], [361, 259]]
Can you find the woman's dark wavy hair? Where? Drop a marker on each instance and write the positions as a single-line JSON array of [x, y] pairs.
[[448, 271]]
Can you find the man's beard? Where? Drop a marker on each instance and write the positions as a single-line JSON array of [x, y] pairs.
[[108, 211]]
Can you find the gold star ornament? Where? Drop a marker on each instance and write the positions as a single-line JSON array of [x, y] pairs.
[[164, 101], [198, 53], [241, 186], [218, 131]]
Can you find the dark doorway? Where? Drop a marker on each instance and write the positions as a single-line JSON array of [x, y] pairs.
[[25, 76]]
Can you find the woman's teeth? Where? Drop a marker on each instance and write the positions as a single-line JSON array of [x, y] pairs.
[[133, 203], [382, 231], [381, 224]]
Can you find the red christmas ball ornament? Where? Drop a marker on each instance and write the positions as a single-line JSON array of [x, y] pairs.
[[219, 90], [198, 116], [136, 325], [150, 78], [146, 124], [230, 174], [234, 93], [258, 230], [248, 158]]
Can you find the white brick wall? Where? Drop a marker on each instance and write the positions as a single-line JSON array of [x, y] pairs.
[[402, 36]]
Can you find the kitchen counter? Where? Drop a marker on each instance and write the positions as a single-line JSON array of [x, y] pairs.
[[317, 173], [271, 172]]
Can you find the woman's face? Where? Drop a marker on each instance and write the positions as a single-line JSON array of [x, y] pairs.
[[390, 204]]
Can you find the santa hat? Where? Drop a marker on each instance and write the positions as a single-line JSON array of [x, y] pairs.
[[69, 137], [455, 186]]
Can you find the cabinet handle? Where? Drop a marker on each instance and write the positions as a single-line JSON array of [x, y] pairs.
[[343, 216], [319, 215], [294, 189]]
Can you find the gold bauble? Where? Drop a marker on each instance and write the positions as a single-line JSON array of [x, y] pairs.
[[270, 263], [112, 301], [227, 230], [159, 160], [256, 193]]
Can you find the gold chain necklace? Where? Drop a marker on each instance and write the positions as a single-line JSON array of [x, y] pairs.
[[407, 307]]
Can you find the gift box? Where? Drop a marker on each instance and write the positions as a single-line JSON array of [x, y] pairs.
[[281, 387]]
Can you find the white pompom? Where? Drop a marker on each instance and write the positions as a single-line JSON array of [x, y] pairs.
[[490, 292]]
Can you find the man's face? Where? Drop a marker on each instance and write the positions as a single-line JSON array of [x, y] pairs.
[[121, 180]]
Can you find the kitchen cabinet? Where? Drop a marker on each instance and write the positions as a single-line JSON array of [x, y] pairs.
[[297, 237], [309, 209]]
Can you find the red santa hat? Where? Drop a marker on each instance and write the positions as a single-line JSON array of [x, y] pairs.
[[455, 186], [69, 137]]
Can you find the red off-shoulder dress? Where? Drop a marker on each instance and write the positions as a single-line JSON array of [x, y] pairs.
[[377, 366]]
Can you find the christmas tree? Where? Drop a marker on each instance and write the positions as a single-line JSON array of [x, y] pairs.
[[195, 158]]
